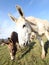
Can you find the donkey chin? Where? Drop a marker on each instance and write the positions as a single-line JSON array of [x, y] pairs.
[[24, 44]]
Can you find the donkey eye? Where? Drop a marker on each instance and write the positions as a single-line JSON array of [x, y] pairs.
[[24, 25]]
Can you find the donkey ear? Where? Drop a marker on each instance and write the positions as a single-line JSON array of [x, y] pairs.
[[12, 18], [9, 39], [20, 10]]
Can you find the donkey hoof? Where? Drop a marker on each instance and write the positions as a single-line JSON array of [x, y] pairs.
[[12, 58]]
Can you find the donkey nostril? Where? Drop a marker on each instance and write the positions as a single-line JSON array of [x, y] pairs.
[[27, 43], [24, 44]]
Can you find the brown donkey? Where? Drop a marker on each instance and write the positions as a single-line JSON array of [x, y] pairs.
[[12, 44]]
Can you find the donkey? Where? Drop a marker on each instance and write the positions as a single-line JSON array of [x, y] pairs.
[[39, 29], [12, 43], [25, 27]]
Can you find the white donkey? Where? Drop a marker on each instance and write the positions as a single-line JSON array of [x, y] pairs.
[[25, 26], [41, 27]]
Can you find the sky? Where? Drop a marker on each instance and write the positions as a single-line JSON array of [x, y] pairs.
[[35, 8]]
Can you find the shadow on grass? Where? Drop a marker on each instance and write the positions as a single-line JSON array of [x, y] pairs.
[[46, 46], [28, 49]]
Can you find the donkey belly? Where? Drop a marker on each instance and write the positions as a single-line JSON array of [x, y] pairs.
[[41, 30]]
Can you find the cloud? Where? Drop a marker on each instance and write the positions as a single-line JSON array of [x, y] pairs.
[[31, 2], [40, 2], [6, 32], [44, 2], [7, 26]]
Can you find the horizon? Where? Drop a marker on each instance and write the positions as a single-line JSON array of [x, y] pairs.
[[35, 8]]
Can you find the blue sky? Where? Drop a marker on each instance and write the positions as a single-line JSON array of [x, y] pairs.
[[36, 8]]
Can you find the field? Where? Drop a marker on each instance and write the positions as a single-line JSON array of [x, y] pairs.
[[30, 57]]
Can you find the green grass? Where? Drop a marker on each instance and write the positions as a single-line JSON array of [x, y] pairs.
[[31, 57]]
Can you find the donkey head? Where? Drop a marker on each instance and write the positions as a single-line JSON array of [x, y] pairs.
[[23, 28]]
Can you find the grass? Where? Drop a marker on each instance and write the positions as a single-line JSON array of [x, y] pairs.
[[31, 57]]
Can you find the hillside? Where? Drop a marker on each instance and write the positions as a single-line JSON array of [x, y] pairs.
[[29, 57]]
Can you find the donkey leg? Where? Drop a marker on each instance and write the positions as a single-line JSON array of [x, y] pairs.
[[43, 50], [42, 45], [12, 57], [46, 34]]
